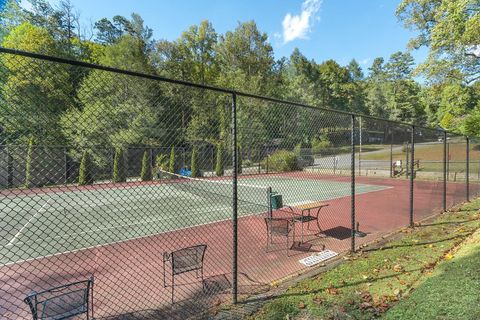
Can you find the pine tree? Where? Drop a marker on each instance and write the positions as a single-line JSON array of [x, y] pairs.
[[239, 160], [28, 164], [194, 162], [219, 163], [146, 173], [119, 166], [84, 176], [171, 162]]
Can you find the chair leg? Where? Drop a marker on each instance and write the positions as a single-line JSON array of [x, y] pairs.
[[173, 286]]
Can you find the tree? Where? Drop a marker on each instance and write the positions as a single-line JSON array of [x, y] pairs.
[[85, 174], [399, 66], [146, 171], [450, 29], [35, 93], [119, 172], [109, 32], [355, 70], [28, 164], [116, 111], [171, 161], [194, 163], [219, 161], [377, 72]]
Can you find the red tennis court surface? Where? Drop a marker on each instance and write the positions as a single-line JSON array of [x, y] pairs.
[[128, 275]]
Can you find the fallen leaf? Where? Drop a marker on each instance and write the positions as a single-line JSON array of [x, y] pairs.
[[398, 268], [332, 290], [448, 256], [317, 300]]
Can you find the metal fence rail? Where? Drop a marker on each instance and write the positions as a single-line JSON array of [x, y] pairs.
[[175, 199]]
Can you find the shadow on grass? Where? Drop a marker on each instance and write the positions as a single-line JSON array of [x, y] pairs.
[[418, 244]]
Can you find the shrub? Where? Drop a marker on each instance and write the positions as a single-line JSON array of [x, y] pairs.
[[239, 160], [146, 173], [119, 166], [161, 164], [28, 164], [84, 174], [194, 163], [171, 161], [281, 161], [219, 161], [320, 144]]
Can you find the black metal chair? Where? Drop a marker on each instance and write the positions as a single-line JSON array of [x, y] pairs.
[[279, 227], [62, 302], [184, 260]]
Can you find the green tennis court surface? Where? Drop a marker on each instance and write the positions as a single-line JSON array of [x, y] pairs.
[[41, 225]]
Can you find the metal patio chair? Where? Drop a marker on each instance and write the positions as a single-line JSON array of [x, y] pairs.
[[184, 260], [62, 302], [279, 227]]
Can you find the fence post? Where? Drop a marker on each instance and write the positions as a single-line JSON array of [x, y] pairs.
[[391, 153], [234, 200], [467, 170], [412, 173], [444, 170], [352, 142]]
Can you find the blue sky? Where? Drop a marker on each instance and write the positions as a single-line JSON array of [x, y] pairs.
[[321, 29]]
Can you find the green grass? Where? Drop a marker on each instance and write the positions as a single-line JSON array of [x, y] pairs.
[[457, 278], [371, 282]]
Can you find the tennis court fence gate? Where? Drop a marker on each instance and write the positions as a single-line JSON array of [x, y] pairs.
[[112, 173]]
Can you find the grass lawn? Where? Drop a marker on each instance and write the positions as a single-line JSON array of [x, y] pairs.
[[451, 292], [373, 281], [432, 152]]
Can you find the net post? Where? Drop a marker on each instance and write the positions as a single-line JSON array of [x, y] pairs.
[[444, 171], [352, 208], [412, 173], [234, 201], [467, 170]]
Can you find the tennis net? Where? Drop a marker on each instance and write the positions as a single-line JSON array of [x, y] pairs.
[[218, 191]]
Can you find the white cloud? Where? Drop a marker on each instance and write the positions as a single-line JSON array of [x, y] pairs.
[[298, 26], [365, 61], [26, 5]]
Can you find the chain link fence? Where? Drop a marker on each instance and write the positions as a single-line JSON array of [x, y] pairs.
[[127, 182]]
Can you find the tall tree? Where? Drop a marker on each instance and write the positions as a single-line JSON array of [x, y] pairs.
[[355, 70], [451, 31], [36, 93], [116, 111]]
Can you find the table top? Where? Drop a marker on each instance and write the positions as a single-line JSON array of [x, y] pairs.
[[312, 205]]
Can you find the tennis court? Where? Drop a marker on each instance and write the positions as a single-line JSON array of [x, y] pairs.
[[58, 222]]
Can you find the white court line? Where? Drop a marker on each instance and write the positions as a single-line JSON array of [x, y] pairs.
[[12, 241]]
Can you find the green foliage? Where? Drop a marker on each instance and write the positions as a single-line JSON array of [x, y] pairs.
[[119, 174], [171, 161], [219, 161], [84, 173], [281, 161], [450, 29], [146, 172], [194, 163], [239, 160], [161, 164], [28, 164], [320, 144], [46, 84]]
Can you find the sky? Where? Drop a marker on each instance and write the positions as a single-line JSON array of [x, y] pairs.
[[321, 29]]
